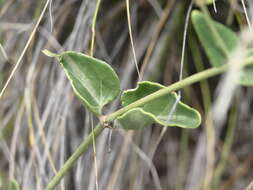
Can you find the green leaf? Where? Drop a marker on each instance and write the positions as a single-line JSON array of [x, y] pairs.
[[208, 40], [93, 80], [14, 185], [213, 51], [2, 2], [247, 74], [165, 110], [134, 119]]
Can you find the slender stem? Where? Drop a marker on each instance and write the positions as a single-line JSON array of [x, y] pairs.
[[94, 150], [74, 157], [99, 128], [131, 37], [24, 50], [93, 27]]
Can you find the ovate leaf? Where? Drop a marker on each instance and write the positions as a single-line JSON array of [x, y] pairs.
[[211, 47], [166, 110], [93, 80], [209, 41]]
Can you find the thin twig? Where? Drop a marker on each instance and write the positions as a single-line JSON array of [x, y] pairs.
[[184, 42], [246, 15], [98, 130], [155, 37], [51, 16], [24, 50], [131, 37], [94, 150], [93, 28]]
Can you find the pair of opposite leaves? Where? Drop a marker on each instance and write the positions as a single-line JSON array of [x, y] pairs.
[[96, 83]]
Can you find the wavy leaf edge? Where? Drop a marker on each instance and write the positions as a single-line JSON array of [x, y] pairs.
[[152, 115]]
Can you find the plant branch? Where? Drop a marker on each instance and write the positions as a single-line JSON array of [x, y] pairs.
[[74, 157], [109, 118], [176, 86]]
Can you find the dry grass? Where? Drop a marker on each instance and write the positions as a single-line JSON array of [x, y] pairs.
[[42, 122]]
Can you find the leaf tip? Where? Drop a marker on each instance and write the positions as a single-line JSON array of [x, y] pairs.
[[50, 54], [199, 119], [195, 14]]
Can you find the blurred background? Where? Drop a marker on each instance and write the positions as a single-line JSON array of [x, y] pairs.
[[42, 122]]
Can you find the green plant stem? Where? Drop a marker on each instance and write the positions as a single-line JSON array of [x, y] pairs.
[[74, 157], [99, 128], [178, 85], [204, 87], [93, 27]]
